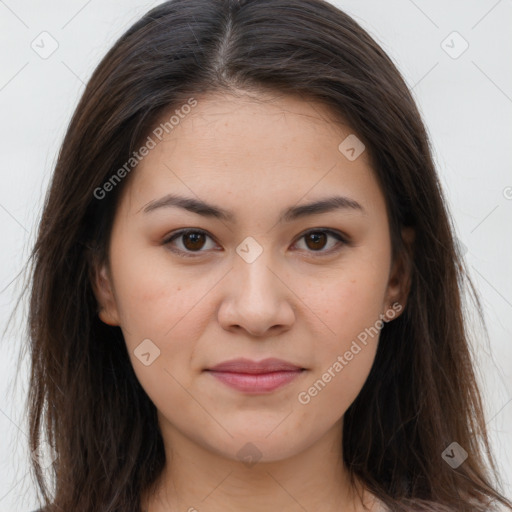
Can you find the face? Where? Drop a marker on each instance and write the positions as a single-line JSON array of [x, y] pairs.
[[257, 276]]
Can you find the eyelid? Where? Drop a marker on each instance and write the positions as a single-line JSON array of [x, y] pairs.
[[341, 237], [176, 234]]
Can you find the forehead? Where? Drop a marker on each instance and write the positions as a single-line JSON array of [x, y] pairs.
[[262, 121], [254, 149]]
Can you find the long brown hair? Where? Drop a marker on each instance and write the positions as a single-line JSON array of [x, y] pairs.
[[84, 398]]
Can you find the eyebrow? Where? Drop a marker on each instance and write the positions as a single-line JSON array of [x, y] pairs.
[[292, 213]]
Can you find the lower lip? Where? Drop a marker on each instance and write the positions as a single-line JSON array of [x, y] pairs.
[[256, 383]]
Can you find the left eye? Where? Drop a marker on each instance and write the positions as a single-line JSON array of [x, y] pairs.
[[193, 240], [316, 240]]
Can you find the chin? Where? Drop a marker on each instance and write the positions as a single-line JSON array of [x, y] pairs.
[[252, 446]]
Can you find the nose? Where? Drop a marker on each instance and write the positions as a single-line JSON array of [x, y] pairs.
[[256, 299]]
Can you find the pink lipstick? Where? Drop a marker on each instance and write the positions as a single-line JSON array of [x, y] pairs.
[[255, 376]]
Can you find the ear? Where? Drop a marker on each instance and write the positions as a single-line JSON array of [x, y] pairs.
[[400, 276], [101, 282]]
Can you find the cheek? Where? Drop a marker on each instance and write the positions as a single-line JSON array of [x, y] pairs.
[[349, 307], [349, 301], [343, 358], [164, 312], [154, 298], [332, 390]]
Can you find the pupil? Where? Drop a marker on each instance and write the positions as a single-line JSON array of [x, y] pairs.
[[196, 239], [316, 237]]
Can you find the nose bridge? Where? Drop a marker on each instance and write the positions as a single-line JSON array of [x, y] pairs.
[[251, 267], [256, 300]]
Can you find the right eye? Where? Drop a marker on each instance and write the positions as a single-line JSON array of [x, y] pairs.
[[191, 241]]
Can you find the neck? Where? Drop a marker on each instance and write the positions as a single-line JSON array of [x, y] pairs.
[[197, 479]]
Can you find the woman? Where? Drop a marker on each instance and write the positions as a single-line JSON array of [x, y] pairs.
[[246, 293]]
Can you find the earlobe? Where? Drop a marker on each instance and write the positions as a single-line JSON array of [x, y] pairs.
[[103, 290], [107, 318]]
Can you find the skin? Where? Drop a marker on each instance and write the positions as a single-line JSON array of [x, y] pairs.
[[254, 158]]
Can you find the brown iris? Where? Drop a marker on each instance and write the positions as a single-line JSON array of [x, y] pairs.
[[317, 238], [196, 240]]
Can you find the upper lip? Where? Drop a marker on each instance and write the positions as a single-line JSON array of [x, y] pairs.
[[242, 365]]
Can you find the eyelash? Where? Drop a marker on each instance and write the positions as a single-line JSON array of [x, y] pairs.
[[193, 254]]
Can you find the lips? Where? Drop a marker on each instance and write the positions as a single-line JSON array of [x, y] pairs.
[[255, 377], [254, 367]]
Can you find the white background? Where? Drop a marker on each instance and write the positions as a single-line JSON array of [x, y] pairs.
[[466, 103]]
